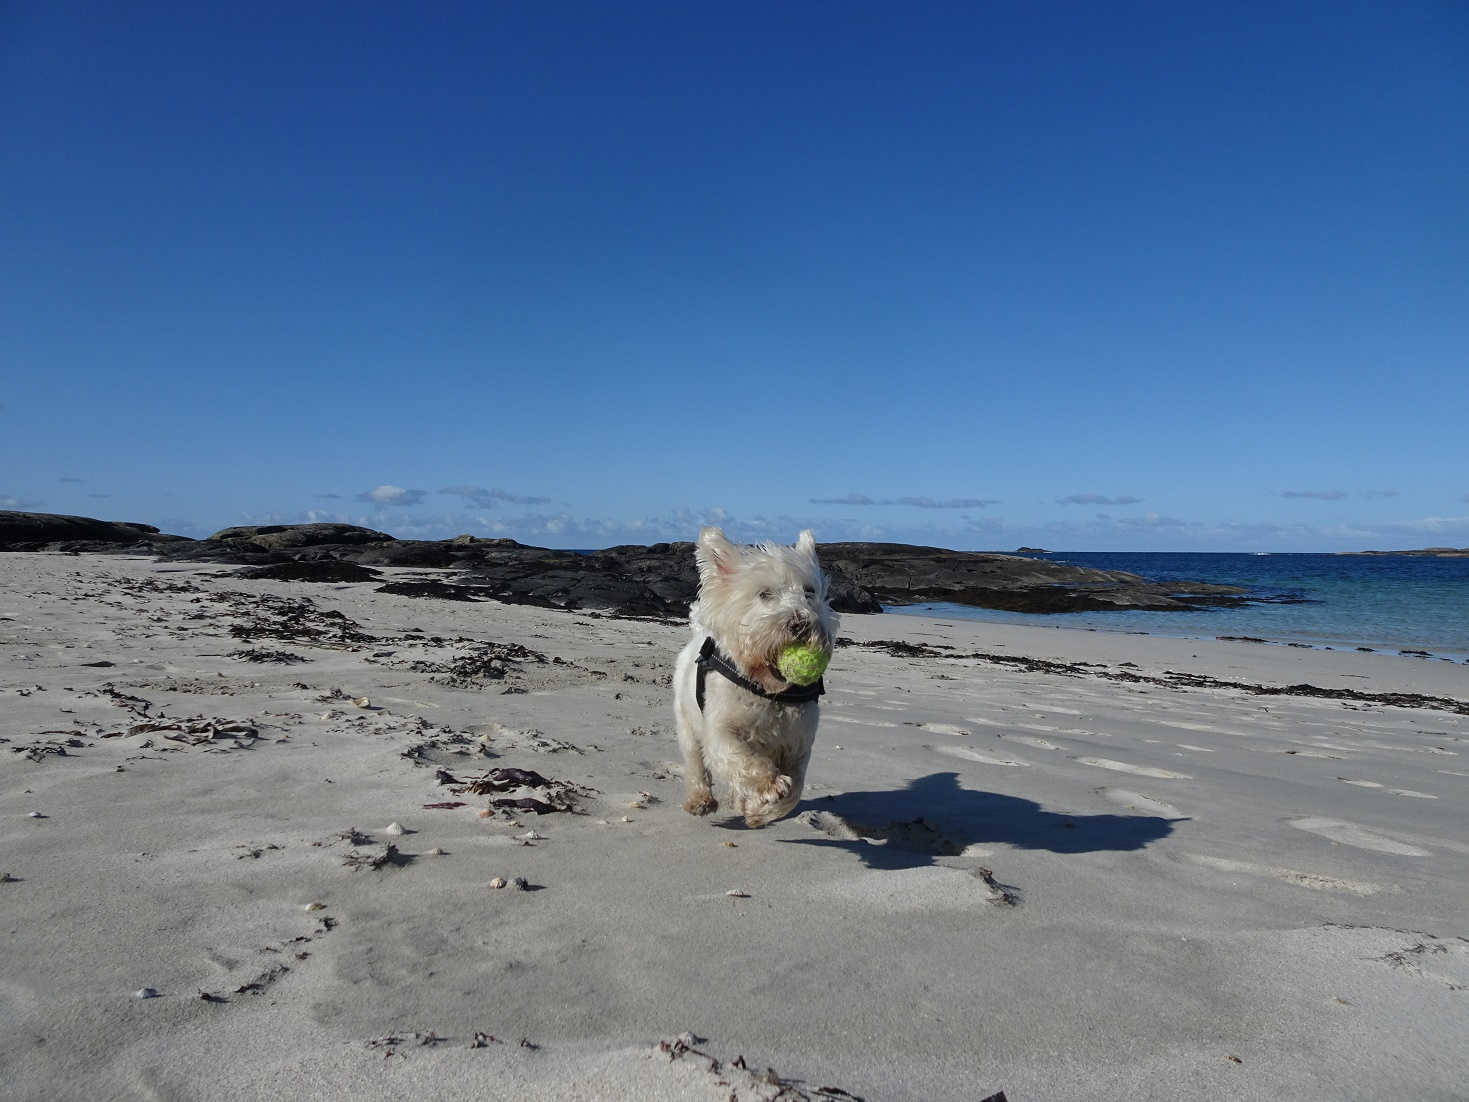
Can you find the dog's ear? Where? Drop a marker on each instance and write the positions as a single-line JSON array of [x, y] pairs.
[[806, 543], [716, 556]]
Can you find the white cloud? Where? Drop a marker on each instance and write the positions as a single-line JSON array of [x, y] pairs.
[[486, 498], [393, 495], [1097, 499], [914, 501]]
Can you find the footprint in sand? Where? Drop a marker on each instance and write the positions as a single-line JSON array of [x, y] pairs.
[[858, 722], [1029, 740], [1135, 770], [1311, 880], [946, 729], [1126, 797], [972, 755], [1410, 793], [1350, 834]]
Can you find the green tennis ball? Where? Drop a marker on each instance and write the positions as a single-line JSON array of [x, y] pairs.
[[802, 664]]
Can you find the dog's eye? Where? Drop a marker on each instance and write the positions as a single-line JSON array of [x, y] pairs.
[[810, 591], [765, 594]]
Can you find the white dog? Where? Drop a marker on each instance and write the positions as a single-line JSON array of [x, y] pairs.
[[737, 716]]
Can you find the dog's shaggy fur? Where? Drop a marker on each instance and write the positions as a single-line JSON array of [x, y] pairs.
[[753, 602]]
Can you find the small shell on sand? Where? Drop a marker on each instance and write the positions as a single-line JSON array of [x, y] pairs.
[[394, 828], [437, 852], [737, 893], [146, 993], [314, 907], [363, 702], [498, 882], [34, 815], [532, 835]]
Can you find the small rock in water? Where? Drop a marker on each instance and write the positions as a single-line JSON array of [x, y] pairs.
[[498, 882], [146, 993]]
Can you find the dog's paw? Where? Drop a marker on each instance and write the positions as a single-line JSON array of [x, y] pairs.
[[768, 802], [700, 802], [778, 789]]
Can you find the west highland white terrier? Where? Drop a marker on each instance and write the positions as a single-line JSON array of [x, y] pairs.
[[737, 716]]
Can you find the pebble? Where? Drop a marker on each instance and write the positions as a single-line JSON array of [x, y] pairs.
[[520, 884], [737, 893], [498, 882], [34, 815], [363, 702], [532, 835], [394, 828], [437, 852], [314, 907], [146, 993]]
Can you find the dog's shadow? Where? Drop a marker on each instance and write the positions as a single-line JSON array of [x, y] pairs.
[[934, 816]]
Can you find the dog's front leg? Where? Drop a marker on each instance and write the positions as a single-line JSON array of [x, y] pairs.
[[758, 784], [780, 800], [698, 786]]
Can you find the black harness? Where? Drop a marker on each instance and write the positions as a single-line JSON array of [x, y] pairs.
[[710, 659]]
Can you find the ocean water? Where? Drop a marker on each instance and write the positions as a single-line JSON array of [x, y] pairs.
[[1387, 603]]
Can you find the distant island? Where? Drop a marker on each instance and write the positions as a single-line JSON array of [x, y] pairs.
[[1031, 551], [1425, 552]]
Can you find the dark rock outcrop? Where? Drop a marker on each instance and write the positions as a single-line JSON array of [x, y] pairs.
[[312, 570], [631, 580], [279, 537], [34, 531], [900, 574]]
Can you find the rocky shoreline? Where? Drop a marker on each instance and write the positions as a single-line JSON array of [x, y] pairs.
[[1422, 553], [630, 580]]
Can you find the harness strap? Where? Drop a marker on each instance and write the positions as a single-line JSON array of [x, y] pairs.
[[710, 659]]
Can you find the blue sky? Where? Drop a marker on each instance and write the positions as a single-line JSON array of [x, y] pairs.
[[1129, 276]]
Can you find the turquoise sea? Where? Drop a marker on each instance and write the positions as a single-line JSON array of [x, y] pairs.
[[1345, 601]]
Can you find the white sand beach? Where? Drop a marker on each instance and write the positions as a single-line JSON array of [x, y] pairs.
[[1063, 864]]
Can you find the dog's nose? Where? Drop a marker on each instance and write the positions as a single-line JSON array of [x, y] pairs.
[[800, 623]]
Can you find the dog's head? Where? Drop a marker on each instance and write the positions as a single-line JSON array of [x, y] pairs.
[[756, 601]]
